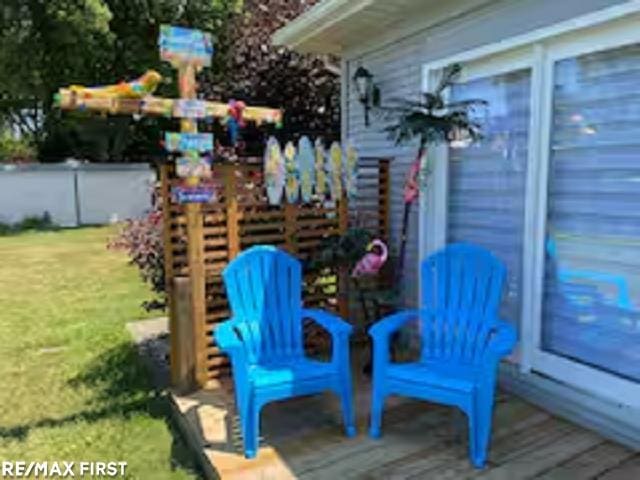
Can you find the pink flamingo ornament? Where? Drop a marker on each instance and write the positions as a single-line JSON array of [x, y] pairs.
[[373, 260]]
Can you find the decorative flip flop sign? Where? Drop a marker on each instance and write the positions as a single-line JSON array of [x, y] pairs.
[[335, 170], [310, 173], [321, 169], [292, 185], [306, 168], [274, 171]]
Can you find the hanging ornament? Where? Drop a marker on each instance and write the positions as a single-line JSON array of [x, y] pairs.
[[305, 162], [335, 170], [320, 166], [292, 184], [274, 171]]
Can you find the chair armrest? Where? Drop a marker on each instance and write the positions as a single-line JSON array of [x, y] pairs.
[[226, 337], [331, 323], [339, 330], [503, 340], [385, 327]]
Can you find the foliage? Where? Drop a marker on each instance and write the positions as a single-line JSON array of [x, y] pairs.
[[433, 120], [306, 86], [33, 222], [89, 42], [73, 385], [14, 150], [142, 240], [340, 250]]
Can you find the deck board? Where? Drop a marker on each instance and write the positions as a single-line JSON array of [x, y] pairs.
[[303, 438], [589, 463]]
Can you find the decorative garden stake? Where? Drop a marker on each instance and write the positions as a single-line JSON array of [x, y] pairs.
[[433, 121]]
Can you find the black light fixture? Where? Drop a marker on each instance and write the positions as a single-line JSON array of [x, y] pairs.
[[368, 93]]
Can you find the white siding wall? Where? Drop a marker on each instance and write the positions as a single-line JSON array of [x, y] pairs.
[[397, 70]]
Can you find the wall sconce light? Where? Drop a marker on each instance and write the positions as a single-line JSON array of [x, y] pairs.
[[368, 92]]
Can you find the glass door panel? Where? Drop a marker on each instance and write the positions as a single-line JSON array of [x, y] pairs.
[[486, 192], [591, 300]]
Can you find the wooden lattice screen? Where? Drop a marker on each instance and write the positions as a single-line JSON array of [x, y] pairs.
[[239, 219]]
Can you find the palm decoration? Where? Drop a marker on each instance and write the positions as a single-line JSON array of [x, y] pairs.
[[433, 120]]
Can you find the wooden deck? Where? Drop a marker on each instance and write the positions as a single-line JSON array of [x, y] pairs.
[[302, 438]]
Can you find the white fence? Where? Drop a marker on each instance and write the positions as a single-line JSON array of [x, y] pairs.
[[75, 194]]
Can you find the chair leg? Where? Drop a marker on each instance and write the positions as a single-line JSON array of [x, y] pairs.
[[346, 399], [251, 429], [377, 406], [480, 428]]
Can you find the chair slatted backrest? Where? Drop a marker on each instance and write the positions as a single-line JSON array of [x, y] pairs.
[[461, 293], [264, 289]]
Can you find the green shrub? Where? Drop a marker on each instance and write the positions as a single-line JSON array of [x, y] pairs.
[[31, 222], [14, 150]]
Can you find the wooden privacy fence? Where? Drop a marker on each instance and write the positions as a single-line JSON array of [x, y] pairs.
[[197, 250]]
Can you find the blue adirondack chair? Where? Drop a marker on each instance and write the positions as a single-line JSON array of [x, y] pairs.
[[265, 340], [462, 341]]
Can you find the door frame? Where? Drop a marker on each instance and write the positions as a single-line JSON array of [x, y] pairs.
[[538, 50]]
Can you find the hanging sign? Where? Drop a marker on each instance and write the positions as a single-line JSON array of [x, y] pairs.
[[189, 108], [191, 164], [185, 46], [182, 142], [202, 193]]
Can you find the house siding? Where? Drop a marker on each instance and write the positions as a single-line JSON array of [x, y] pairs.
[[397, 69]]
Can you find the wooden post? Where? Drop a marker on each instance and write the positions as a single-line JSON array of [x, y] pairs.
[[233, 217], [384, 199], [290, 227], [343, 276], [195, 243], [182, 337]]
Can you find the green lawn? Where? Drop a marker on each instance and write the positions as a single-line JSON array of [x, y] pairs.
[[72, 387]]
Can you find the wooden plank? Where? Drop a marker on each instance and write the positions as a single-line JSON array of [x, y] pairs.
[[446, 455], [290, 220], [343, 275], [233, 232], [628, 470], [541, 448], [590, 463], [384, 206]]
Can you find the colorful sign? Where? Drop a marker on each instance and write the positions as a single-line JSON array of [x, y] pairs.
[[189, 108], [199, 194], [185, 46], [191, 164], [183, 142]]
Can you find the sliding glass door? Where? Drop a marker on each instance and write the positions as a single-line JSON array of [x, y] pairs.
[[553, 189], [591, 295]]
